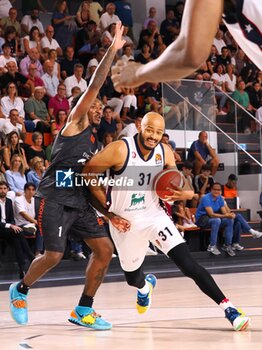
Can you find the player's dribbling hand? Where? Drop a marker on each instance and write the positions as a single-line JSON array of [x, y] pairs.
[[126, 74], [179, 194], [120, 224], [118, 41]]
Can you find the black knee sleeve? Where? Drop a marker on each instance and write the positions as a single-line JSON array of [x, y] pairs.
[[135, 278]]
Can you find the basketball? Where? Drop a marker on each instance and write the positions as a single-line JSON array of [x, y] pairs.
[[167, 178]]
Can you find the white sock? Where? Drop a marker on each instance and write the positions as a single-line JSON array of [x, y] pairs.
[[225, 304], [145, 289]]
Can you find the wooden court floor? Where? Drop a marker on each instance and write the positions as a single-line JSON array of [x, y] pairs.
[[180, 318]]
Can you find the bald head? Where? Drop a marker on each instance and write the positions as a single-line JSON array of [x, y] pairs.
[[153, 119], [152, 129]]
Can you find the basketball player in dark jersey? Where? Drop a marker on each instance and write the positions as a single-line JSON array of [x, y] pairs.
[[64, 207], [199, 26]]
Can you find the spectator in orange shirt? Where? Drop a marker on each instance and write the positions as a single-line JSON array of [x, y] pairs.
[[230, 188]]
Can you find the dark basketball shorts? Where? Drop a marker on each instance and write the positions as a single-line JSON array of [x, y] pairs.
[[58, 222]]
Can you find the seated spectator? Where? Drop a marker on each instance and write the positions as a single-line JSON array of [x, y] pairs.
[[110, 97], [50, 79], [33, 77], [95, 61], [32, 20], [165, 140], [169, 28], [108, 123], [148, 36], [37, 111], [185, 217], [76, 250], [212, 59], [199, 153], [108, 17], [32, 58], [12, 148], [211, 213], [127, 38], [36, 149], [59, 122], [230, 188], [32, 41], [87, 40], [58, 102], [12, 233], [11, 40], [230, 79], [204, 181], [241, 96], [2, 40], [25, 216], [13, 76], [76, 80], [15, 177], [110, 32], [37, 171], [13, 123], [255, 97], [12, 101], [218, 41], [188, 178], [63, 24], [11, 20], [131, 129], [218, 79], [68, 62], [82, 15], [5, 58], [52, 56], [75, 91], [151, 17], [241, 226], [145, 55], [95, 11], [127, 53], [129, 103], [49, 43], [225, 58], [108, 138]]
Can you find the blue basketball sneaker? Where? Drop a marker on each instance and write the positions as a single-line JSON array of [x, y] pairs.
[[238, 320], [18, 305], [144, 300], [87, 317]]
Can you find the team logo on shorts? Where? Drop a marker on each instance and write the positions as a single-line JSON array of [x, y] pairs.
[[158, 158], [64, 178]]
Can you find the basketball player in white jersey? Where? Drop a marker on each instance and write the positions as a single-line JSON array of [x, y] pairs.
[[199, 25], [135, 161]]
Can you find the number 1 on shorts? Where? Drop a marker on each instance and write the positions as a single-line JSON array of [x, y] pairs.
[[59, 231]]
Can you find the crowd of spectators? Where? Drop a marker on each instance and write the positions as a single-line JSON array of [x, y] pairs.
[[43, 67]]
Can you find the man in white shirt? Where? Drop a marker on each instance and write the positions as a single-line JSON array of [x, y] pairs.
[[49, 43], [24, 208], [50, 80], [108, 17], [6, 57], [76, 80], [29, 21], [13, 123], [131, 129]]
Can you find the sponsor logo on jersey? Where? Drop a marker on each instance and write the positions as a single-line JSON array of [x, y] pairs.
[[64, 178], [137, 198], [158, 158]]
